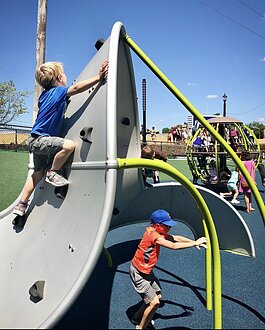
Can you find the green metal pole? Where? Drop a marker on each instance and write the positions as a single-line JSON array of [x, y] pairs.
[[208, 271], [206, 216], [201, 119]]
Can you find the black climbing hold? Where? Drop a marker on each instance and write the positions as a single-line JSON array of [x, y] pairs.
[[85, 134], [99, 43], [115, 211], [126, 121]]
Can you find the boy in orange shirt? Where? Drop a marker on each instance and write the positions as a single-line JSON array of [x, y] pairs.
[[146, 257]]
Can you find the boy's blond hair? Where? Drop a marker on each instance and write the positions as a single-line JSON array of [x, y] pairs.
[[47, 73]]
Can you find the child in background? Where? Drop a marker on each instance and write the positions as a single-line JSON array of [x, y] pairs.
[[232, 187], [145, 259], [212, 170], [149, 153], [249, 164], [261, 170]]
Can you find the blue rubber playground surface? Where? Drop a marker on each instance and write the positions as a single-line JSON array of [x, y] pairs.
[[109, 300]]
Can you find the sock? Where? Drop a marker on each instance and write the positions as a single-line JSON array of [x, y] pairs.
[[24, 203]]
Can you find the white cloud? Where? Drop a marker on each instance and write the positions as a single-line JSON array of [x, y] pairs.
[[261, 120], [191, 84], [262, 59], [212, 96]]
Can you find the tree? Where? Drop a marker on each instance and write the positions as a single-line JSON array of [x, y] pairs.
[[258, 129], [165, 130], [12, 102]]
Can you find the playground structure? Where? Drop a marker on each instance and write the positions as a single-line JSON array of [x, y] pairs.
[[208, 160], [48, 261]]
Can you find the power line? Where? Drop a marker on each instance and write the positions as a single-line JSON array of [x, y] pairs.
[[259, 14], [231, 19], [258, 106]]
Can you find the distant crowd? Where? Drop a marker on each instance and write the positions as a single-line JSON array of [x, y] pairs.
[[182, 133], [176, 134]]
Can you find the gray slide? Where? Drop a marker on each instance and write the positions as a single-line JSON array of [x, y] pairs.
[[46, 263]]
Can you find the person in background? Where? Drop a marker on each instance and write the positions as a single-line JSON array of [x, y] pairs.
[[169, 137], [145, 258], [225, 173], [212, 170], [50, 152], [149, 153], [261, 170], [232, 187], [153, 133], [243, 185]]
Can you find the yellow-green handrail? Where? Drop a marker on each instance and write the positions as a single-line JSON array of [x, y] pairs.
[[201, 119], [206, 216]]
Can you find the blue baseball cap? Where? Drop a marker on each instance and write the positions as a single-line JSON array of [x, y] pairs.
[[162, 217]]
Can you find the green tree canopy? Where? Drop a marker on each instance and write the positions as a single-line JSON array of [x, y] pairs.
[[165, 130], [12, 102], [258, 129]]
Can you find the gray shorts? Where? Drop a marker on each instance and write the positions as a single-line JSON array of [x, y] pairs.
[[147, 285], [44, 149]]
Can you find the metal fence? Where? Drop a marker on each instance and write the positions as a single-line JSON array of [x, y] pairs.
[[14, 137]]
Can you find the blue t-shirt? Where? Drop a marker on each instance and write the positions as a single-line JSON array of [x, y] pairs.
[[52, 103]]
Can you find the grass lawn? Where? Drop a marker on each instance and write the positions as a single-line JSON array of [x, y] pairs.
[[13, 169], [181, 165]]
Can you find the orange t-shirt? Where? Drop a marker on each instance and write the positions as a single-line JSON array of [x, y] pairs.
[[147, 252]]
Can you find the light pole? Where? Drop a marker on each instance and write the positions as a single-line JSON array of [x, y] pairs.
[[224, 99], [144, 111]]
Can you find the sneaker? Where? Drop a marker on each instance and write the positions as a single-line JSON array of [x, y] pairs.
[[20, 209], [56, 179], [137, 322], [235, 202]]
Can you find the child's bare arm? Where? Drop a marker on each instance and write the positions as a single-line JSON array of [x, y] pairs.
[[182, 244], [82, 86]]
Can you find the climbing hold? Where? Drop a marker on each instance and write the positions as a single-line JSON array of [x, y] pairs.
[[37, 290], [85, 134], [115, 211], [126, 121]]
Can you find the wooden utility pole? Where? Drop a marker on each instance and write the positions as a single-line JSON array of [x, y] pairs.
[[40, 49]]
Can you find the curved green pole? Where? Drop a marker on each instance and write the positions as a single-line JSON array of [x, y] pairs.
[[201, 119], [108, 256], [206, 216], [208, 271]]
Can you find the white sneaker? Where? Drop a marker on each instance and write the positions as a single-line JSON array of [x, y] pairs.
[[56, 179], [235, 202]]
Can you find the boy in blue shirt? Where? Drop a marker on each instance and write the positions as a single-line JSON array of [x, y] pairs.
[[44, 141]]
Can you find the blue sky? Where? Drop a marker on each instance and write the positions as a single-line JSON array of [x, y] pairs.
[[205, 47]]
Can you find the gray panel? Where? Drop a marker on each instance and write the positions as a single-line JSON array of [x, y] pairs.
[[232, 231], [62, 239]]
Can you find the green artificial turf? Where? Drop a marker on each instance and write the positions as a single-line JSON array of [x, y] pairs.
[[13, 173], [181, 165]]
